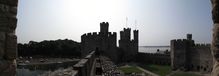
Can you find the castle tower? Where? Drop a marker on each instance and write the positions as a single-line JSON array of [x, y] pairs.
[[135, 32], [127, 33], [128, 47], [135, 35], [178, 53], [189, 36], [104, 26]]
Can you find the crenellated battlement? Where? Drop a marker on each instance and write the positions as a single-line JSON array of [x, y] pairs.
[[127, 29], [107, 42], [156, 54], [104, 23], [104, 27], [112, 34], [135, 30], [202, 45], [185, 52], [102, 40], [178, 40], [95, 34], [128, 45], [154, 58]]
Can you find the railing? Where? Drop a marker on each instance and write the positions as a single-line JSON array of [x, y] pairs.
[[86, 66]]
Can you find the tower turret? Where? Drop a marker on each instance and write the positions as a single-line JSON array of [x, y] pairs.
[[135, 35], [104, 27], [189, 36]]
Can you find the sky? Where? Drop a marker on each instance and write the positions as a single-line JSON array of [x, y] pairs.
[[158, 21]]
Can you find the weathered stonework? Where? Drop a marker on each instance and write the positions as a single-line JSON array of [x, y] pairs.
[[188, 56], [8, 39], [104, 41], [215, 41], [215, 10], [11, 46], [128, 47]]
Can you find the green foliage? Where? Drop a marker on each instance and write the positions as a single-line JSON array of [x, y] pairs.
[[184, 74], [130, 69], [161, 70], [52, 48]]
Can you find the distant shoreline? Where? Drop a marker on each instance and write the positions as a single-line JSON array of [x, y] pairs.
[[155, 46]]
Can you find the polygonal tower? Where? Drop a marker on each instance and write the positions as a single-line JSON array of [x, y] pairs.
[[135, 32], [104, 26]]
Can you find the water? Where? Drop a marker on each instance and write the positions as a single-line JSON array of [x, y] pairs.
[[153, 49], [27, 72]]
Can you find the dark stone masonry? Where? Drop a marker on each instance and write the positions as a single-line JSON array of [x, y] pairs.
[[185, 55], [188, 56], [105, 42], [8, 39], [153, 58], [215, 41]]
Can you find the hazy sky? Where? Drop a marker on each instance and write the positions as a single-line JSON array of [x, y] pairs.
[[158, 21]]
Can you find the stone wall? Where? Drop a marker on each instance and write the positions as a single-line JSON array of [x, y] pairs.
[[86, 66], [186, 55], [128, 47], [8, 39], [153, 58], [215, 41], [201, 58], [103, 41], [178, 58]]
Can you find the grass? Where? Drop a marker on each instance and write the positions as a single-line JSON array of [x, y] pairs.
[[185, 74], [161, 70], [130, 69]]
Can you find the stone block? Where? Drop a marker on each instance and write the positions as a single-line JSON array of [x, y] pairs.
[[2, 44], [11, 46], [13, 10], [8, 24], [13, 23], [215, 11], [4, 20], [215, 71], [9, 2], [8, 68], [7, 11], [4, 8]]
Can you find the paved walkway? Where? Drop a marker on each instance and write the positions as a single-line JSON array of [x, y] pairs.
[[148, 72]]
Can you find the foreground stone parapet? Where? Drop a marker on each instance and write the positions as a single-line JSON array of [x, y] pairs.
[[11, 46], [8, 39], [215, 71], [215, 10], [215, 41], [215, 49]]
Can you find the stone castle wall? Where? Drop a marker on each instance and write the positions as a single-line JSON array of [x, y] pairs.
[[178, 58], [153, 58], [103, 41], [8, 39], [128, 47], [186, 55]]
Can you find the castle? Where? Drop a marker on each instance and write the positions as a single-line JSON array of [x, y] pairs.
[[128, 47], [188, 56], [106, 43]]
